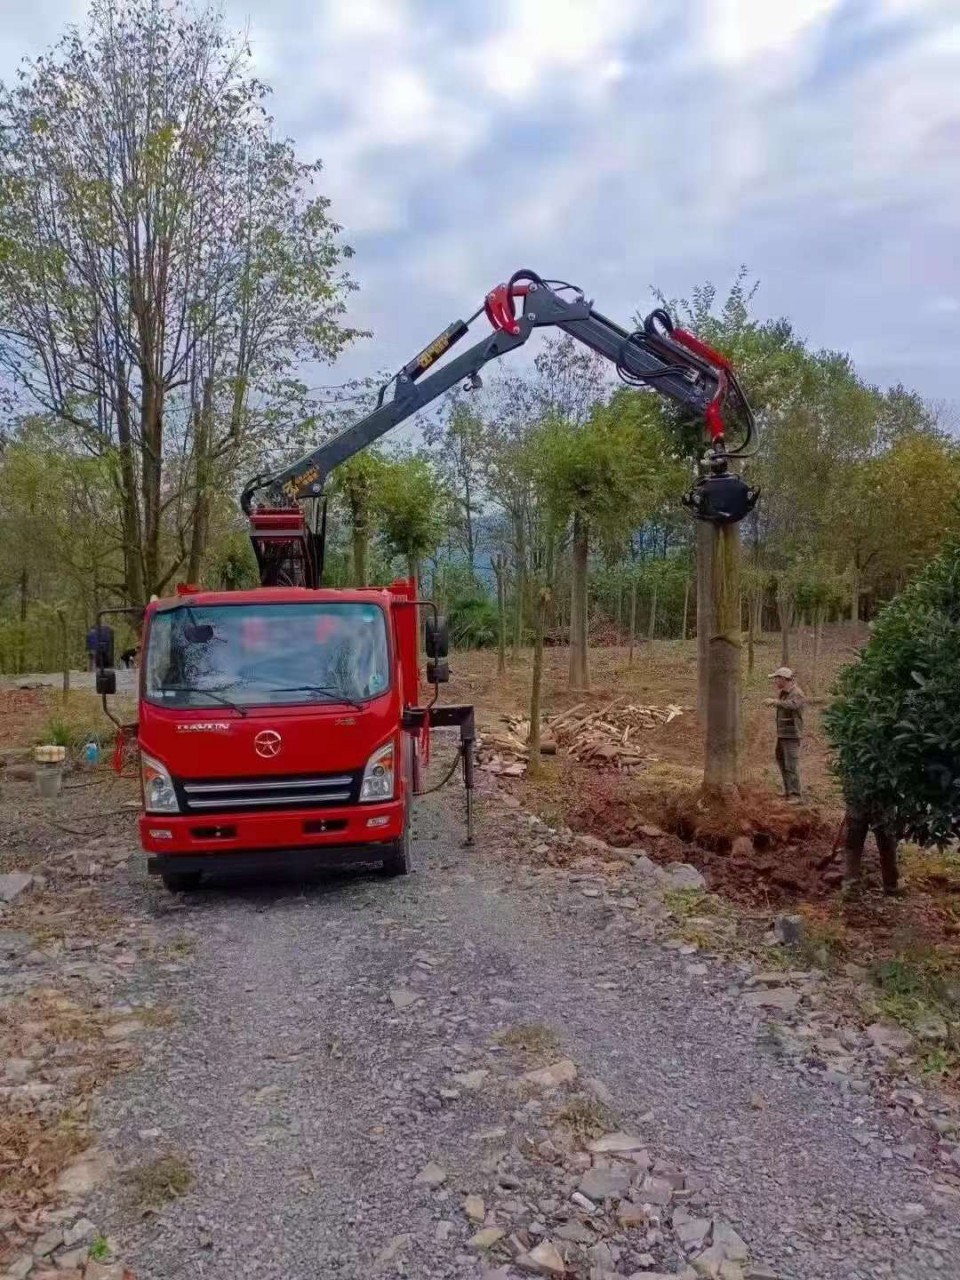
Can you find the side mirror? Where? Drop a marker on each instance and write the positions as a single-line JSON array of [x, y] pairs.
[[438, 671], [104, 647], [198, 633], [436, 638], [106, 681]]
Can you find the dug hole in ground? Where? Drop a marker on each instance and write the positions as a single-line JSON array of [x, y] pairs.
[[547, 1055]]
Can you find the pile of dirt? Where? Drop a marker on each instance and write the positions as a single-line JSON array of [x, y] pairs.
[[758, 850], [19, 710]]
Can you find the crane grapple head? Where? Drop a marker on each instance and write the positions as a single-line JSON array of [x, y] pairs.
[[722, 498]]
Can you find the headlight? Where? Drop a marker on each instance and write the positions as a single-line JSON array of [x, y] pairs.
[[378, 776], [158, 793]]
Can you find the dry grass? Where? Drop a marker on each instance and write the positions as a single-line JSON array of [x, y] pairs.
[[33, 1150], [155, 1015], [534, 1040], [160, 1182], [586, 1118]]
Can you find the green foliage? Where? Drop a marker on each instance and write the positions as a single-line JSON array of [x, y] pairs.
[[895, 720], [413, 507], [473, 622], [100, 1250], [234, 566], [614, 471]]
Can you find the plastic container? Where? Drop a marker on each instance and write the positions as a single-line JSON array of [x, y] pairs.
[[91, 752], [49, 781]]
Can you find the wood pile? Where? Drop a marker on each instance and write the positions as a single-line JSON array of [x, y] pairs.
[[607, 738]]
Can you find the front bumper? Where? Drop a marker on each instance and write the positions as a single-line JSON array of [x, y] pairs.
[[307, 831]]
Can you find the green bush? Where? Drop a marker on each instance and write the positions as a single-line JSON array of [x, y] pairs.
[[895, 720], [473, 623]]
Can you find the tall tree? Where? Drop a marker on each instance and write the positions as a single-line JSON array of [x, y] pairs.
[[358, 484], [605, 477], [413, 509], [161, 254]]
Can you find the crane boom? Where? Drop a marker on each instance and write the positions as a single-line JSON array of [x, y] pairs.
[[659, 355]]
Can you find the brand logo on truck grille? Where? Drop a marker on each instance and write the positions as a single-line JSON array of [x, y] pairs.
[[267, 743]]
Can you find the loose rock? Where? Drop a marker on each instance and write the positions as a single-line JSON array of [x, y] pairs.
[[563, 1072], [12, 884], [431, 1175], [486, 1238], [545, 1259]]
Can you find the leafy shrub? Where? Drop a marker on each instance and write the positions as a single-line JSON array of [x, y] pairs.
[[895, 720], [473, 623]]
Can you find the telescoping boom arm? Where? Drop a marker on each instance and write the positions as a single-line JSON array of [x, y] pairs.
[[658, 355]]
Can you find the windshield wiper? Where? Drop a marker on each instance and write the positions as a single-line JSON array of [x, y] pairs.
[[332, 694], [205, 693]]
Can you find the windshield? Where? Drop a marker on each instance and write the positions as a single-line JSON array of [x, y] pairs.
[[256, 654]]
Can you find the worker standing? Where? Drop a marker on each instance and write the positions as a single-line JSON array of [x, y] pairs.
[[789, 703], [859, 819]]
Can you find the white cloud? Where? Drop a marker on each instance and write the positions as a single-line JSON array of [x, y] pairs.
[[622, 143], [576, 39], [745, 31]]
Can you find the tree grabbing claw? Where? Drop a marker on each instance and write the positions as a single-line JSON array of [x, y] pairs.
[[721, 498]]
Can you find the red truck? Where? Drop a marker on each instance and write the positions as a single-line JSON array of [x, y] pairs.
[[287, 721]]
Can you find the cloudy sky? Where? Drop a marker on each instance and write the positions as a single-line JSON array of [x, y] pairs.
[[623, 144]]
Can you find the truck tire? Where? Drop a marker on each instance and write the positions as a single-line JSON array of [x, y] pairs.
[[181, 881], [397, 860]]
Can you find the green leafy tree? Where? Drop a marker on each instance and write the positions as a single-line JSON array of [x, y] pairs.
[[165, 265], [895, 719], [358, 484], [413, 509], [604, 478]]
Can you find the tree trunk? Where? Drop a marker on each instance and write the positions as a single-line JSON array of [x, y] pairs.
[[413, 572], [620, 614], [751, 632], [652, 624], [64, 653], [686, 609], [500, 572], [203, 438], [151, 447], [705, 551], [721, 768], [579, 660], [633, 619], [855, 594], [785, 614], [817, 640], [129, 500], [360, 540], [519, 592], [536, 684]]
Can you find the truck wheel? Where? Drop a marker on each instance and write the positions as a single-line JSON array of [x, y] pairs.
[[181, 881], [397, 860]]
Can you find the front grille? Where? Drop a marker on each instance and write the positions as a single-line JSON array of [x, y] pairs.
[[296, 791]]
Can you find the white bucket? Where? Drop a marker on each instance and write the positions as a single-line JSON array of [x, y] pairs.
[[49, 781]]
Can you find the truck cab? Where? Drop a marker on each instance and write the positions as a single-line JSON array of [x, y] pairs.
[[271, 725]]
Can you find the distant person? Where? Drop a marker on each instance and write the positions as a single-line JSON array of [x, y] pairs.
[[789, 703], [129, 657]]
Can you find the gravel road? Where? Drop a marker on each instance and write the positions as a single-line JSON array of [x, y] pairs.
[[338, 1080]]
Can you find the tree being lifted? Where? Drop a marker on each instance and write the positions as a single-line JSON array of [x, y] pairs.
[[895, 720]]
